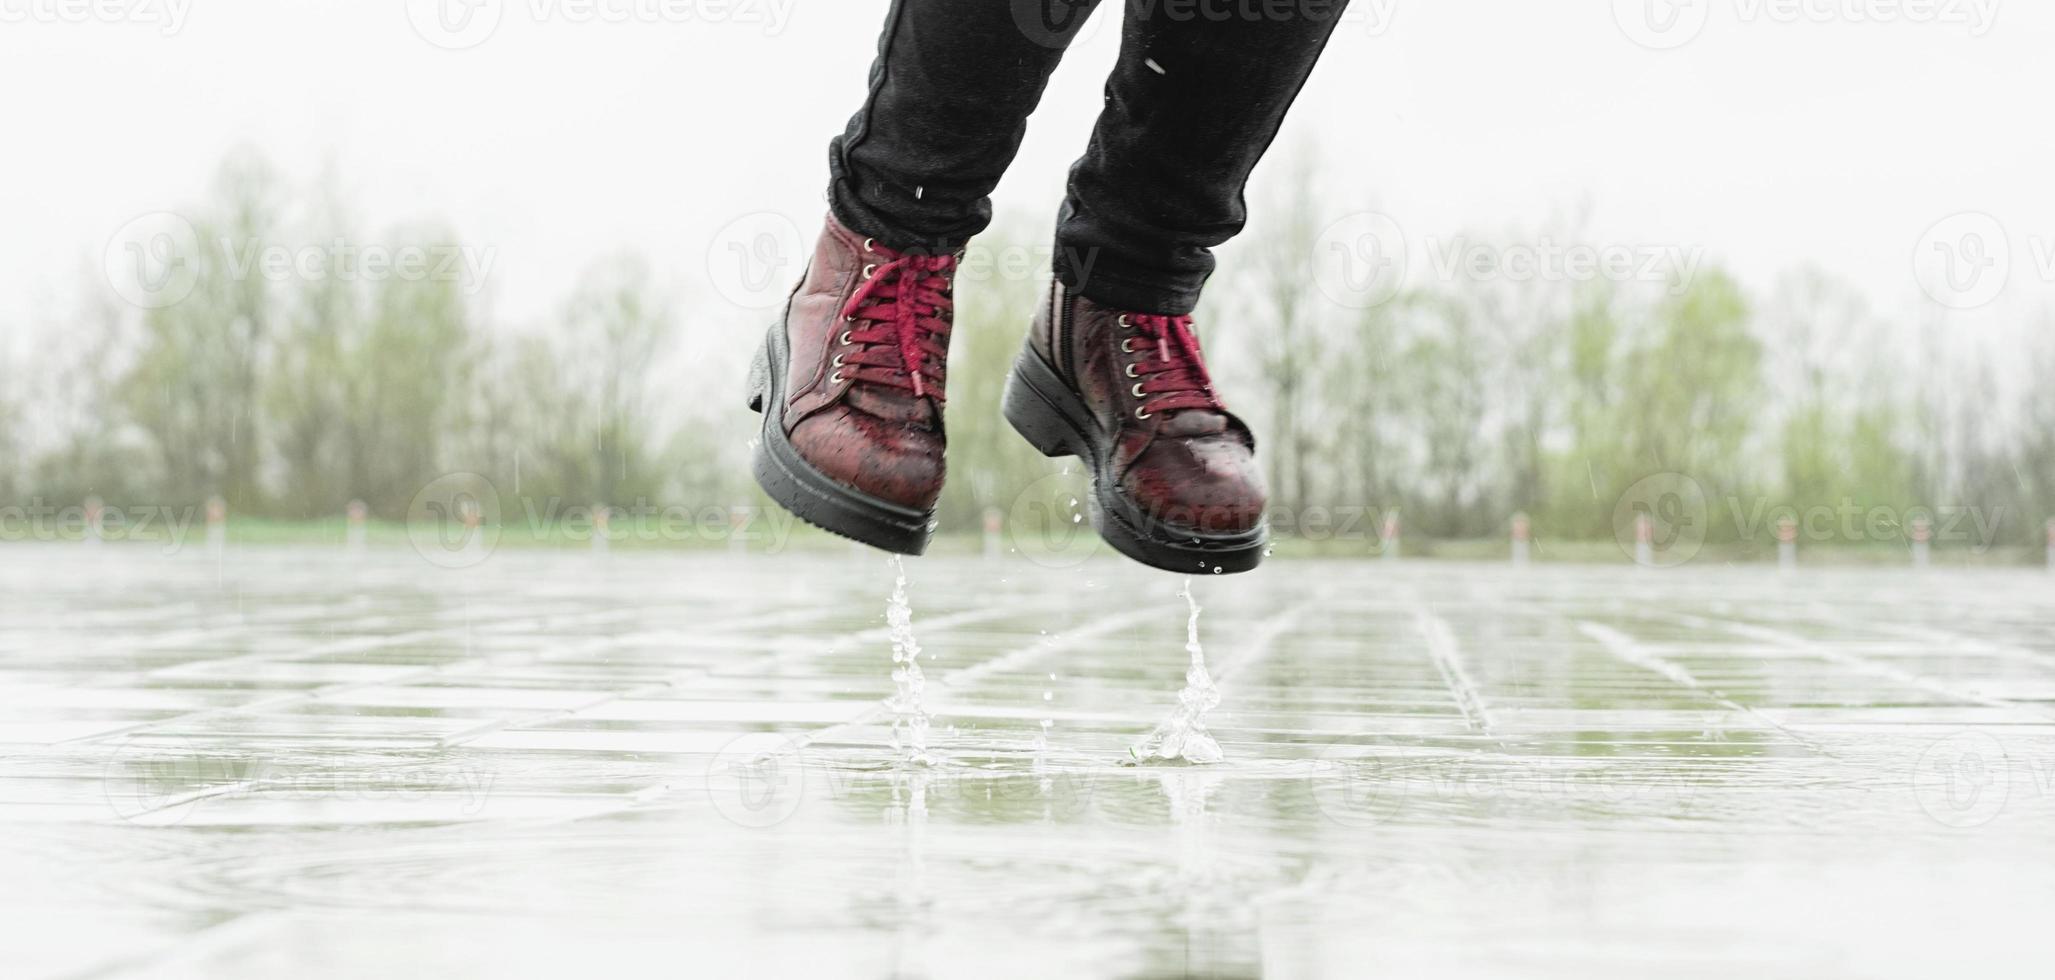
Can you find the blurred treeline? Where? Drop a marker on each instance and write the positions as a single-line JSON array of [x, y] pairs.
[[291, 396], [1459, 403]]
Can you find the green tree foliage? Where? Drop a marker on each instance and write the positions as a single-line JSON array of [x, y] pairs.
[[1459, 402]]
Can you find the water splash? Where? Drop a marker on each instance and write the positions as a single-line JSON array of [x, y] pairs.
[[909, 709], [1183, 736]]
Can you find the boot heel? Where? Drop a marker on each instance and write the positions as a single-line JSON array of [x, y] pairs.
[[1035, 418], [759, 380]]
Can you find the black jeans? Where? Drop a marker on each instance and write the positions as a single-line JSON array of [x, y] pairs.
[[1198, 94]]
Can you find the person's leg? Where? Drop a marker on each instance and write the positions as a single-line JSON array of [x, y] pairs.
[[950, 94], [1191, 106], [852, 383], [1112, 372]]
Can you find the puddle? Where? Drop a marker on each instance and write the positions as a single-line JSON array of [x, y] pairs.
[[1568, 770]]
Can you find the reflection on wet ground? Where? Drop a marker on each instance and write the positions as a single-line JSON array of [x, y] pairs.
[[299, 764]]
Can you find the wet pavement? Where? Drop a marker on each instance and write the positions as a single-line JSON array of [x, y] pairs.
[[293, 763]]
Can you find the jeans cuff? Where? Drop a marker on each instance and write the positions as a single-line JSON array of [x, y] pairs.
[[872, 224], [1105, 283]]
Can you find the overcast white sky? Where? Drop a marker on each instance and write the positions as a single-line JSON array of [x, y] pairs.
[[1767, 141]]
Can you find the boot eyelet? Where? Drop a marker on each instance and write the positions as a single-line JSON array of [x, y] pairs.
[[836, 378], [844, 339], [870, 244], [1141, 414], [1131, 372], [838, 361], [1125, 323], [869, 270], [1127, 346], [1136, 389]]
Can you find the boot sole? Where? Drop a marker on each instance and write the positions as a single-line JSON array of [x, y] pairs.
[[1056, 422], [810, 494]]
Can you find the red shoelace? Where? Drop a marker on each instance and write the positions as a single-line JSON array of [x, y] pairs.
[[900, 323], [1170, 372]]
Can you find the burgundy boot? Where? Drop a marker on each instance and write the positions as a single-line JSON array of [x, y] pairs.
[[851, 387], [1174, 477]]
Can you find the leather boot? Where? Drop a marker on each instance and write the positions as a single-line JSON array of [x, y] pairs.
[[851, 384], [1174, 478]]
